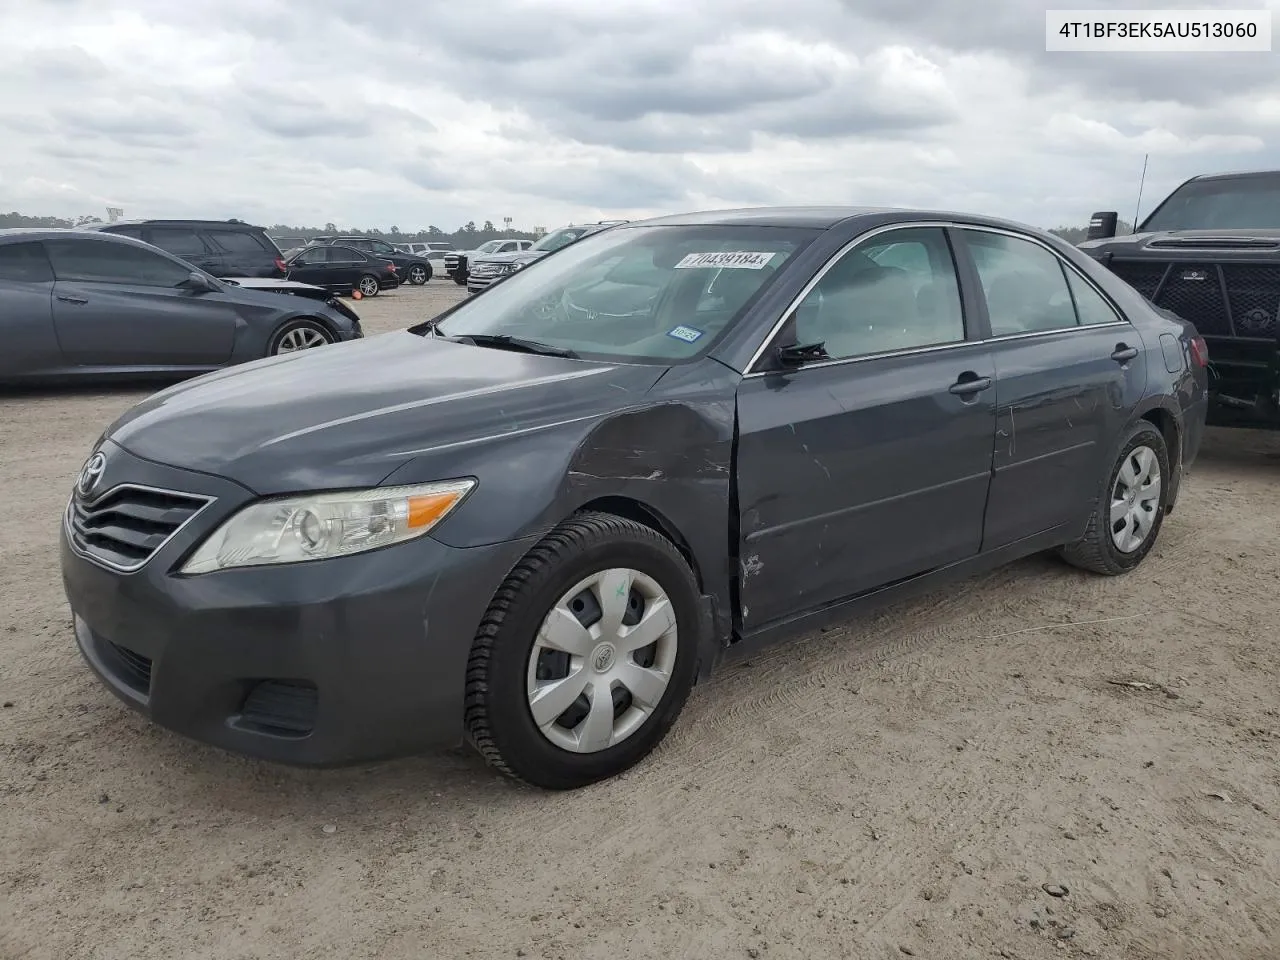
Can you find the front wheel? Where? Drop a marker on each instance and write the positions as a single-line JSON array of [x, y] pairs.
[[368, 285], [301, 334], [1131, 506], [459, 280], [419, 274], [586, 655]]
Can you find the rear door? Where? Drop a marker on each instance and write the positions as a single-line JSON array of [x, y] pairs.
[[1069, 371], [871, 464], [28, 343], [346, 265], [116, 304]]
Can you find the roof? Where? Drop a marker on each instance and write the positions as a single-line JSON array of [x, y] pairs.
[[1237, 175], [208, 224], [826, 217], [62, 233]]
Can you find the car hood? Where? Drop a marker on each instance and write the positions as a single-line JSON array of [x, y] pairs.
[[351, 414], [1167, 243], [272, 285]]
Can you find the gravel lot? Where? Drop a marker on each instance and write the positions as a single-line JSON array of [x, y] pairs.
[[902, 785]]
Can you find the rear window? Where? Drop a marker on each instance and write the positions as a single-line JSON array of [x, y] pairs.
[[24, 263], [233, 242]]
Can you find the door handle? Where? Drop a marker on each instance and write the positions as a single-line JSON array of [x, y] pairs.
[[66, 299], [968, 385], [1124, 353]]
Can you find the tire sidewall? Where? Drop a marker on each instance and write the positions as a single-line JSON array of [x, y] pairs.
[[523, 746], [1141, 434], [273, 345]]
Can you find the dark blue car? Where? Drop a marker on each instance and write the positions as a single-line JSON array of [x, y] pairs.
[[536, 519]]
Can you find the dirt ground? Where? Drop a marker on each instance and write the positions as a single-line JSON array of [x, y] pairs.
[[902, 785]]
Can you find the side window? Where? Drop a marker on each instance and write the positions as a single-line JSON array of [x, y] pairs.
[[1091, 308], [181, 243], [233, 241], [24, 263], [135, 232], [864, 306], [106, 262], [1023, 282]]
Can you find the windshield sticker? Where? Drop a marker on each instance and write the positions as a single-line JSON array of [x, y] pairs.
[[687, 334], [737, 259]]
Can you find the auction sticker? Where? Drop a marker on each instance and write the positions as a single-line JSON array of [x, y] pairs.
[[736, 259], [687, 334]]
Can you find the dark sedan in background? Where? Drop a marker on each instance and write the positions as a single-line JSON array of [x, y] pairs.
[[536, 527], [342, 269], [88, 304]]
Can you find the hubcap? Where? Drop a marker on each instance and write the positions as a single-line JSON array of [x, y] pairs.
[[418, 275], [368, 287], [602, 660], [1135, 500], [301, 338]]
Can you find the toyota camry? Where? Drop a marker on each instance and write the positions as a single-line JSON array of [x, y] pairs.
[[534, 521]]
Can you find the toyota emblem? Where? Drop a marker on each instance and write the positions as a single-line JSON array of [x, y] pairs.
[[91, 473]]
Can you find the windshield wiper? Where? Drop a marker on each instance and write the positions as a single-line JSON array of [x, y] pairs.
[[505, 341]]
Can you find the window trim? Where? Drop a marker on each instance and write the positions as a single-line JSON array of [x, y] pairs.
[[948, 226]]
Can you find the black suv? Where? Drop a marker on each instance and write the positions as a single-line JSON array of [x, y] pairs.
[[224, 248], [411, 267], [1210, 253]]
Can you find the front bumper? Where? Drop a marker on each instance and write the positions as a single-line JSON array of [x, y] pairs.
[[324, 663], [477, 283]]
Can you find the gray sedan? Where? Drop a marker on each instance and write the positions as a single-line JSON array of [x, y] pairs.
[[80, 303]]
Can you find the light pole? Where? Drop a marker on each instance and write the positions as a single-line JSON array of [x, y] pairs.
[[507, 221]]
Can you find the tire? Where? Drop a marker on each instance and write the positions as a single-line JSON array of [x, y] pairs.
[[419, 273], [509, 654], [460, 281], [1098, 551], [302, 333], [368, 285]]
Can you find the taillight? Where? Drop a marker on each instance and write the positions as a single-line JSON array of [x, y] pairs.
[[391, 267], [1199, 351], [281, 266]]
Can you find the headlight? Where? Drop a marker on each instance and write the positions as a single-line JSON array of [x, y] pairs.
[[324, 525]]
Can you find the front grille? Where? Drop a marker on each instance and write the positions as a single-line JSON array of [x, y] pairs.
[[126, 526], [132, 669], [280, 707], [453, 263], [1254, 292], [1221, 300], [1143, 275]]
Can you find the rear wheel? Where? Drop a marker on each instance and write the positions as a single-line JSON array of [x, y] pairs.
[[368, 285], [1131, 506], [586, 654], [419, 273], [300, 334]]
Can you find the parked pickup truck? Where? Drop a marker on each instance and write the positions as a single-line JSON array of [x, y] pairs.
[[455, 261], [1210, 253], [488, 268]]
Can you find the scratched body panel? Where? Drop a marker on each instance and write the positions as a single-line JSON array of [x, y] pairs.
[[1062, 401], [859, 474]]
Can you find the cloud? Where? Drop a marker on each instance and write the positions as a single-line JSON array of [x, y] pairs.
[[556, 110]]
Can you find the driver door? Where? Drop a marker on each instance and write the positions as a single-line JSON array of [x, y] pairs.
[[870, 465]]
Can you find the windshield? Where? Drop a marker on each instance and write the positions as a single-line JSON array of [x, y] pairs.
[[633, 294], [1229, 204], [489, 246], [558, 239]]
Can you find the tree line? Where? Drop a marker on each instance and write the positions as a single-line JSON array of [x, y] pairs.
[[468, 236]]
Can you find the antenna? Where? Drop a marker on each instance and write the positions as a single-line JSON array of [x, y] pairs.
[[1141, 183]]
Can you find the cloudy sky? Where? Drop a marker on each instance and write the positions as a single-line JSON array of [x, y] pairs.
[[417, 112]]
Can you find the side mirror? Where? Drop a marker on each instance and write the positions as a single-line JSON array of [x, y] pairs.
[[798, 354], [1102, 225], [199, 283]]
